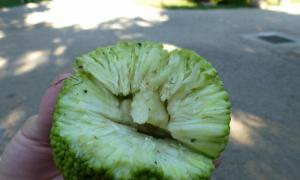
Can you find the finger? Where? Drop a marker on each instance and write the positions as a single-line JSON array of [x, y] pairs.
[[38, 127]]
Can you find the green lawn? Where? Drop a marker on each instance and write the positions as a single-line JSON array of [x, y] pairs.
[[189, 4], [277, 2], [169, 3], [11, 3]]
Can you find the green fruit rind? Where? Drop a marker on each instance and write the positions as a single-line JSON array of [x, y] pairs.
[[117, 88]]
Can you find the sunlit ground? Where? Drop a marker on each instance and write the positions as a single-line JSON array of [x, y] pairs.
[[11, 121], [89, 15], [2, 35], [284, 7], [63, 13], [243, 126]]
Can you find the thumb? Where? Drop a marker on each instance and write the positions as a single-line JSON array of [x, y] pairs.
[[38, 128]]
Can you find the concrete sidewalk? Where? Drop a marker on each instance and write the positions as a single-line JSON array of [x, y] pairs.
[[38, 42]]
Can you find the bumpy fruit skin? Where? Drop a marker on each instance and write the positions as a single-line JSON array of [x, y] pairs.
[[118, 90]]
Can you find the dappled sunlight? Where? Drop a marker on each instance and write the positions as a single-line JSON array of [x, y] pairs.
[[64, 13], [3, 63], [60, 50], [4, 9], [30, 61], [123, 23], [288, 8], [32, 5], [129, 36], [249, 50], [56, 40], [2, 34], [143, 24], [243, 126], [12, 120]]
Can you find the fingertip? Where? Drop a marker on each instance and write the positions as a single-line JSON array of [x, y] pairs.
[[49, 99], [59, 79], [47, 106]]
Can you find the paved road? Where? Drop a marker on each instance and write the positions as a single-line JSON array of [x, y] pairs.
[[38, 42]]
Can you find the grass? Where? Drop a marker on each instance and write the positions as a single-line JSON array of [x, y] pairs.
[[12, 3], [277, 2], [169, 3], [9, 3], [273, 2], [186, 4]]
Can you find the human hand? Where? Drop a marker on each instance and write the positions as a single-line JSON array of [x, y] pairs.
[[28, 156]]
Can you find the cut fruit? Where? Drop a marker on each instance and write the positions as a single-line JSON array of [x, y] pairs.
[[137, 111]]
